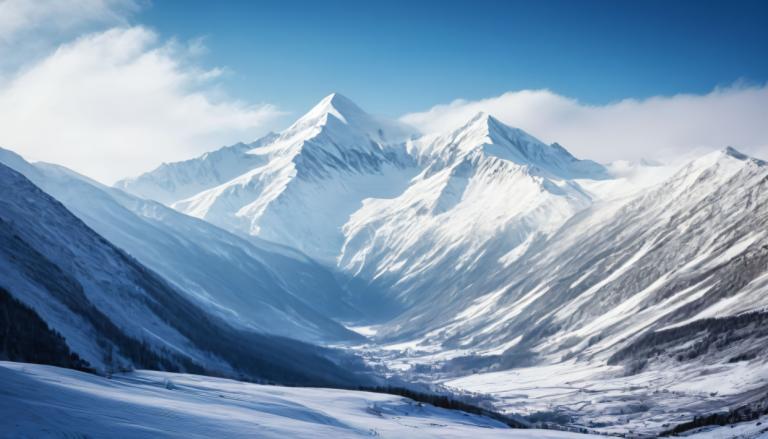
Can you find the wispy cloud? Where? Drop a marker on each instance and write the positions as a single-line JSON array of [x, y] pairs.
[[28, 28], [118, 102], [663, 127]]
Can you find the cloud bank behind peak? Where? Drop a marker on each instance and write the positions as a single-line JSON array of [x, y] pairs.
[[662, 127]]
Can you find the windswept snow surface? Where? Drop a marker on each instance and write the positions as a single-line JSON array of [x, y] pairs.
[[44, 401], [757, 429]]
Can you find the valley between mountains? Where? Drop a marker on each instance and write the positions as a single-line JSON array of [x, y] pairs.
[[353, 251]]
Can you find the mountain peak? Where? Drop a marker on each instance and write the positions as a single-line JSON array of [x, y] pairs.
[[485, 133], [338, 99], [732, 152], [482, 120], [337, 105], [338, 114], [495, 128], [724, 162]]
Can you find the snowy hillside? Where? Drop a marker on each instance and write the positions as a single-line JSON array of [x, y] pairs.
[[44, 401], [261, 287], [606, 399], [112, 312]]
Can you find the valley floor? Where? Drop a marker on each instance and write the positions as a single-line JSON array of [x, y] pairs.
[[592, 395]]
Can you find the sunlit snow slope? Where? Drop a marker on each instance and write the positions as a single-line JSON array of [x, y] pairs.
[[175, 181], [488, 193], [692, 248]]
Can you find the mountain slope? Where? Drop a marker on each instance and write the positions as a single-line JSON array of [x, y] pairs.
[[691, 248], [44, 401], [634, 314], [115, 313], [489, 193], [673, 279], [263, 288], [488, 250]]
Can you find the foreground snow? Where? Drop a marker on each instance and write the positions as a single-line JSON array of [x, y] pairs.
[[44, 401]]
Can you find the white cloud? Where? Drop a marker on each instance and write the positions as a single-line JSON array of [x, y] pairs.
[[115, 103], [29, 28], [27, 16], [659, 127]]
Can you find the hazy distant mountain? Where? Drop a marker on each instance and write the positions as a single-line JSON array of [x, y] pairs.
[[175, 181]]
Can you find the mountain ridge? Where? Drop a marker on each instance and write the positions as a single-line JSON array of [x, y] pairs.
[[244, 281], [114, 313]]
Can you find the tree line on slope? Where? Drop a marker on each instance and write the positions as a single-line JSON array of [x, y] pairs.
[[743, 335], [748, 412], [25, 337]]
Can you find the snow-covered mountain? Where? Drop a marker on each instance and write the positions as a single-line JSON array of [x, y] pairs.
[[109, 311], [257, 285], [306, 182], [689, 249], [488, 192], [666, 290], [479, 235], [489, 249]]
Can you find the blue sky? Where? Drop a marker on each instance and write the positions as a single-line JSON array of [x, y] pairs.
[[401, 56]]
